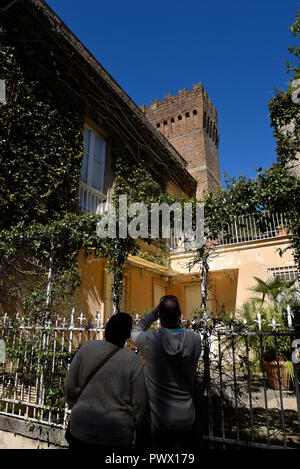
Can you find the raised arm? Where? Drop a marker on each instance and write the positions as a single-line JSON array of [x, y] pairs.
[[143, 325]]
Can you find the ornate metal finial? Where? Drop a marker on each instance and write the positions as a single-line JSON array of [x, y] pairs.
[[258, 320], [273, 324], [72, 318], [48, 324], [290, 316], [81, 318], [98, 319]]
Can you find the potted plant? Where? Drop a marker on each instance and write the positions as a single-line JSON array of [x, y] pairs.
[[275, 350], [281, 231], [277, 363], [212, 243]]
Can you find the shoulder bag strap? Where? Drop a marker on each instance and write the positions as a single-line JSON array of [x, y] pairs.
[[95, 370]]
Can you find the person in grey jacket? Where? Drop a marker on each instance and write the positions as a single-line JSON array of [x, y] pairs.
[[111, 406], [171, 356]]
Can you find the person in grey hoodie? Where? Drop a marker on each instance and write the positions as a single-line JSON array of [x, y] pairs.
[[110, 408], [171, 356]]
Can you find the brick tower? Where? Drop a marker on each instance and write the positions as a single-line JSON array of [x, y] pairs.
[[189, 121]]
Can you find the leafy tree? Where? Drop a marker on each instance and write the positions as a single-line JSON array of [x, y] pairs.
[[278, 186], [40, 147], [272, 289]]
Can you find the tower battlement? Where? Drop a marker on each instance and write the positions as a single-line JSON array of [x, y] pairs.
[[182, 96], [189, 121]]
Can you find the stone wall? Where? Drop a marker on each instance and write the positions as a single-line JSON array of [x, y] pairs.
[[16, 433]]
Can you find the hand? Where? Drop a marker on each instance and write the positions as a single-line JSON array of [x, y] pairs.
[[156, 311]]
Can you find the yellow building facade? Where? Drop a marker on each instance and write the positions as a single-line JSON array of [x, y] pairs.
[[232, 269]]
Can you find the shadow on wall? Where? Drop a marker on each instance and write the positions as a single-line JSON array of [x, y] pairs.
[[224, 291]]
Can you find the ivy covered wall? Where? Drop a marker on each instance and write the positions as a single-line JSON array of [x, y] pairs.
[[42, 229], [40, 147]]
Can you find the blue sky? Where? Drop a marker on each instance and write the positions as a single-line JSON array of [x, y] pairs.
[[237, 48]]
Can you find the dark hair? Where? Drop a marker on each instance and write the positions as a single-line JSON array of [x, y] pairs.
[[169, 313], [118, 329]]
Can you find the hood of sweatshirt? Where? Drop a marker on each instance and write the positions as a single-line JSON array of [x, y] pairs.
[[179, 346]]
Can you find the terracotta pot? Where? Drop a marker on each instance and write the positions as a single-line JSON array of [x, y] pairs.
[[272, 375], [282, 233], [212, 242]]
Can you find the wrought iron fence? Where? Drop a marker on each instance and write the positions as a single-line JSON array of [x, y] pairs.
[[253, 227], [243, 228], [37, 359], [240, 398]]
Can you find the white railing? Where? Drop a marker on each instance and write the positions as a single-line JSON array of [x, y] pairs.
[[38, 356], [242, 229], [33, 372], [91, 200]]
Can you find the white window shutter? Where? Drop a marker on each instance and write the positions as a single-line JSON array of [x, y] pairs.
[[98, 163], [2, 92], [93, 163]]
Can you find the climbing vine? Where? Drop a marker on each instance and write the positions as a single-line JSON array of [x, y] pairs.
[[41, 228], [40, 147]]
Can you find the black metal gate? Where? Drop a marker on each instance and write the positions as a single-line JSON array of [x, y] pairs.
[[243, 400]]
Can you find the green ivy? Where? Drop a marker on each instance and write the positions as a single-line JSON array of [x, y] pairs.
[[40, 148], [33, 357]]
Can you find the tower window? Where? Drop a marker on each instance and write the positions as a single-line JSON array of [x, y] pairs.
[[172, 124], [166, 127], [195, 116], [180, 120], [187, 117], [158, 126]]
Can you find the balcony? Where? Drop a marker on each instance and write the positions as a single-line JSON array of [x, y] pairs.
[[242, 229], [91, 200]]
